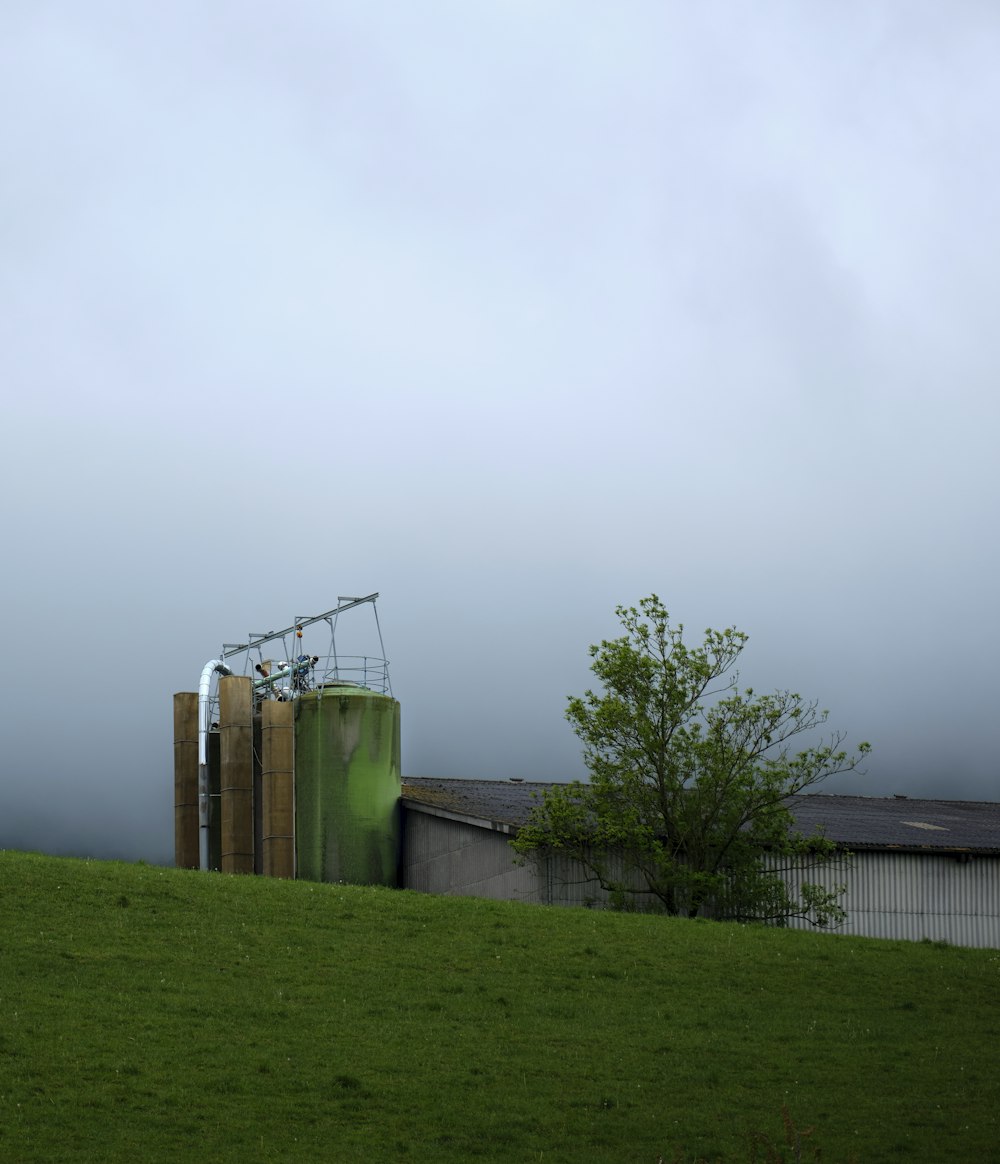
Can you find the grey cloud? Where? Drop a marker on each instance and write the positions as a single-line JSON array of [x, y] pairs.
[[511, 313]]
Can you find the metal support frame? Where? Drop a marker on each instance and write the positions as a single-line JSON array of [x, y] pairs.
[[256, 640]]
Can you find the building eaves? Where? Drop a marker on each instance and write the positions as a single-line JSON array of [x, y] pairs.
[[502, 805]]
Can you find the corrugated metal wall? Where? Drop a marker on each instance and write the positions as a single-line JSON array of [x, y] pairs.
[[915, 896], [889, 895], [567, 882]]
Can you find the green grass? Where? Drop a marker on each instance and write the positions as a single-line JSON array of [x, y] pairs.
[[154, 1014]]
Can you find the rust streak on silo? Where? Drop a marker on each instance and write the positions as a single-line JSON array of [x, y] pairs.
[[277, 734], [186, 780], [236, 768]]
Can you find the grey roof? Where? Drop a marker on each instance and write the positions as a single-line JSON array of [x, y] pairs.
[[497, 802], [869, 822], [858, 822]]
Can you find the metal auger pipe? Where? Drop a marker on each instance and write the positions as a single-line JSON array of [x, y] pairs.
[[296, 668], [204, 798]]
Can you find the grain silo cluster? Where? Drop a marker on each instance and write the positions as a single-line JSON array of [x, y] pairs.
[[290, 769]]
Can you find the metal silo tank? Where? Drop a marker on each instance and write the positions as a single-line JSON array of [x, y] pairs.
[[347, 785]]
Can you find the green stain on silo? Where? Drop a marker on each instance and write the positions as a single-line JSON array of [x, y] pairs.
[[347, 784]]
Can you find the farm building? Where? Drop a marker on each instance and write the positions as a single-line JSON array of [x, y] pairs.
[[917, 868], [292, 769]]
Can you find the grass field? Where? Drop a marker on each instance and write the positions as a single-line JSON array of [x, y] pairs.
[[154, 1014]]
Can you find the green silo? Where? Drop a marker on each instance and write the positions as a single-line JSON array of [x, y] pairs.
[[347, 785]]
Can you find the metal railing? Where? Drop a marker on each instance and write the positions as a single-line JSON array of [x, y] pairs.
[[287, 678]]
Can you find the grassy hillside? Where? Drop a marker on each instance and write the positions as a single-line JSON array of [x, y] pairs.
[[156, 1014]]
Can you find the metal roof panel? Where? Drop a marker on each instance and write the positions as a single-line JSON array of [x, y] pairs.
[[853, 821]]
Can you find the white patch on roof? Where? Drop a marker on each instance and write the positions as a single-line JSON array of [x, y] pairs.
[[920, 824]]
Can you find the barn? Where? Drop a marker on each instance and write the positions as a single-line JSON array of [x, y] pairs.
[[914, 869]]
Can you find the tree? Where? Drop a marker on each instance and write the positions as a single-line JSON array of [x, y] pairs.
[[689, 779]]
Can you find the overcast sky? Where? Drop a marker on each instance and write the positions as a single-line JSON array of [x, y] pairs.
[[511, 312]]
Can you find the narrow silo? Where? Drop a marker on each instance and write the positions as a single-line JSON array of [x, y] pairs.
[[186, 780], [347, 785]]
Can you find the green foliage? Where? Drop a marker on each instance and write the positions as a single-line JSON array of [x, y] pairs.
[[166, 1015], [689, 779]]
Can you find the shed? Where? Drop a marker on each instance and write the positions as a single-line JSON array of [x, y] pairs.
[[917, 868]]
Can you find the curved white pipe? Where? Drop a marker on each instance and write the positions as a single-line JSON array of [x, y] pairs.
[[204, 687]]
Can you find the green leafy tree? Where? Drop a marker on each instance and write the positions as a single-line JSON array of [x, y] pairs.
[[689, 779]]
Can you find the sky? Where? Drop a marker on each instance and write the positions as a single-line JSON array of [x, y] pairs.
[[512, 312]]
